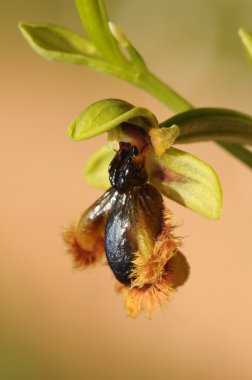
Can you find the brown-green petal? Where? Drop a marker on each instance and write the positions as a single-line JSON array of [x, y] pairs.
[[189, 181]]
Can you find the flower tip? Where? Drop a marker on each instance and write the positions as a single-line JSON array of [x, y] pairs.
[[21, 25], [72, 131], [242, 32], [24, 30], [118, 34], [146, 299]]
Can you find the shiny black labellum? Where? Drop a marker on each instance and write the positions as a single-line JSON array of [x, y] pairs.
[[137, 206]]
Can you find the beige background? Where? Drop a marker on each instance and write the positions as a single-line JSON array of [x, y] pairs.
[[63, 325]]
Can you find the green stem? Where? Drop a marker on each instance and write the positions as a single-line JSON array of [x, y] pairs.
[[94, 18], [160, 90]]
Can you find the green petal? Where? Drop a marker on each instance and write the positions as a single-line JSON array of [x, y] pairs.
[[246, 38], [107, 114], [55, 43], [96, 169], [189, 181]]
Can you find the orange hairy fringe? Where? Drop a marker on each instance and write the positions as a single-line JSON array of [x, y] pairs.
[[82, 257], [150, 270], [148, 298], [152, 283]]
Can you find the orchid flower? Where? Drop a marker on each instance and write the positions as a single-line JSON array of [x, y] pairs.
[[130, 224]]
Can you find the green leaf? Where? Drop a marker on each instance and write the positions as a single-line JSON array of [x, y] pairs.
[[55, 43], [107, 114], [189, 181], [96, 169], [246, 38], [219, 124]]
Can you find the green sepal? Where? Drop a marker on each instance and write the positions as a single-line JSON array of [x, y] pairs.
[[96, 169], [187, 180], [107, 114], [55, 43], [246, 38]]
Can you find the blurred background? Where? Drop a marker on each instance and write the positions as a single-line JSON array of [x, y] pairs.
[[60, 324]]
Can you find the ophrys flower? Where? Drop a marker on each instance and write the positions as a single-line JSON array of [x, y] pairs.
[[129, 223]]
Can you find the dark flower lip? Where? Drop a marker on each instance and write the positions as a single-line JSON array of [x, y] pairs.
[[132, 227], [136, 218]]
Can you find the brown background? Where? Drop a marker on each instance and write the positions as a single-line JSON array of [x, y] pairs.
[[61, 324]]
